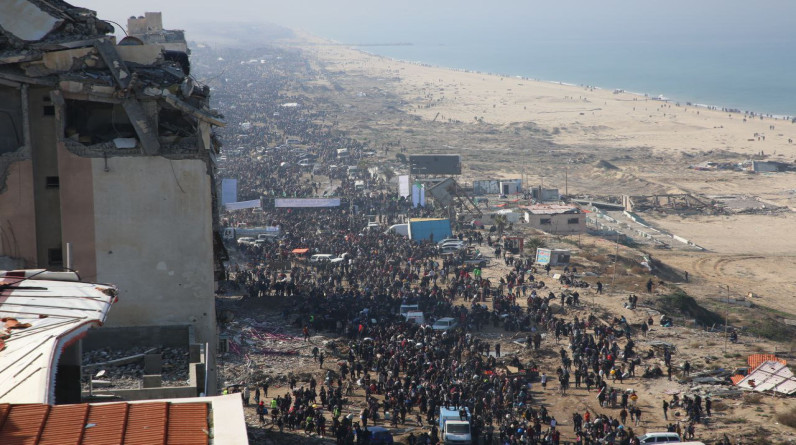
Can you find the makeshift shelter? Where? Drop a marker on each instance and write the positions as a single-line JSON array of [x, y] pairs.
[[767, 373]]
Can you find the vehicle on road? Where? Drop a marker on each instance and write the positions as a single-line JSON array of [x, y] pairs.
[[444, 324], [321, 258], [661, 437], [378, 436], [455, 427]]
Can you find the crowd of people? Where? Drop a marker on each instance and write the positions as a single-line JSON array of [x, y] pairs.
[[405, 370]]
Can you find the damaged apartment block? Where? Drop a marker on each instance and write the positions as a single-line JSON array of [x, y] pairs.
[[107, 160]]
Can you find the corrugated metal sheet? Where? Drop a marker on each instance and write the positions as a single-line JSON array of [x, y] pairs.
[[770, 376], [64, 425], [46, 316], [188, 424]]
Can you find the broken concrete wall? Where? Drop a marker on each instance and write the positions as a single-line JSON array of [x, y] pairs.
[[109, 148], [77, 211], [11, 136], [153, 234], [46, 185], [17, 215]]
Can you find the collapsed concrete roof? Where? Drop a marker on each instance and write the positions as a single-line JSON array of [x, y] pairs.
[[54, 44], [25, 21]]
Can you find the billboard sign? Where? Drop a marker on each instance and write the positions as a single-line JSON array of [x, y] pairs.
[[229, 191], [253, 204], [403, 186], [543, 256], [306, 202], [418, 195], [435, 165]]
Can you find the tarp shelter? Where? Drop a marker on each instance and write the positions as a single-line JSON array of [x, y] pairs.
[[300, 251]]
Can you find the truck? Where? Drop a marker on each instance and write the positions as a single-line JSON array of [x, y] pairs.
[[452, 428], [429, 229], [233, 233], [401, 229]]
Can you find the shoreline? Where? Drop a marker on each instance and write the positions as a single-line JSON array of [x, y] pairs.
[[750, 113], [315, 40]]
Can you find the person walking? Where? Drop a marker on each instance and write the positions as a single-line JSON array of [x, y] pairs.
[[665, 410]]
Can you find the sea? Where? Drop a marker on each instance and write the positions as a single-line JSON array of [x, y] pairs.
[[745, 75]]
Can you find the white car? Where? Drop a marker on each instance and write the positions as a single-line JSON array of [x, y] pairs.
[[662, 437], [444, 324], [245, 241], [321, 257], [340, 258], [453, 243]]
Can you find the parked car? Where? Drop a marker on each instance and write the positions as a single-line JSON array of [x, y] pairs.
[[379, 435], [321, 258], [340, 259], [480, 262], [444, 324], [661, 437], [453, 242], [245, 240]]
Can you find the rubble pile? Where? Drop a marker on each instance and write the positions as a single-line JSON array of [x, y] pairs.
[[262, 348], [125, 367]]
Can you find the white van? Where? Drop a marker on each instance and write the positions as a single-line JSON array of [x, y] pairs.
[[415, 317], [444, 324], [406, 308], [662, 437], [321, 258]]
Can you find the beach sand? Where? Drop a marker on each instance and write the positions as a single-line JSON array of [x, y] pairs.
[[556, 134], [582, 115]]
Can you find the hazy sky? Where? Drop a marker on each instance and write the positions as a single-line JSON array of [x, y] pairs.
[[445, 21]]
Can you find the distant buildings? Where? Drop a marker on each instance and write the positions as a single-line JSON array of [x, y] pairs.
[[149, 30], [555, 219], [108, 149]]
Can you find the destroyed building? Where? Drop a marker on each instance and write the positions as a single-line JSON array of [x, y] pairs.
[[107, 160]]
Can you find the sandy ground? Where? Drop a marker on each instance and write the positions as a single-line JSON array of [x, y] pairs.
[[556, 134], [582, 114], [739, 416]]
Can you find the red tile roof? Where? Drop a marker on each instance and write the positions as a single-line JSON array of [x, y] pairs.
[[188, 424], [64, 425], [152, 423], [146, 424], [106, 424], [24, 424], [756, 360]]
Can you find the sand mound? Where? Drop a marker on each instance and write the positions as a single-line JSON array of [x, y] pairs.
[[606, 165]]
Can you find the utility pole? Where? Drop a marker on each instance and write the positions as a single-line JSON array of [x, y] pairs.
[[726, 317], [616, 257]]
